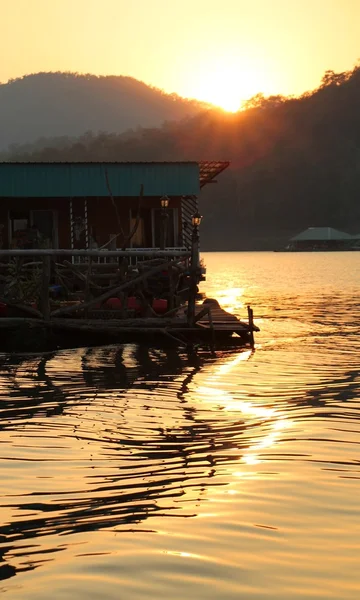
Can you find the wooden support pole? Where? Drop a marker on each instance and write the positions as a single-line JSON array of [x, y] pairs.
[[163, 228], [87, 293], [124, 304], [173, 311], [193, 277], [44, 292], [251, 326], [204, 311], [174, 278]]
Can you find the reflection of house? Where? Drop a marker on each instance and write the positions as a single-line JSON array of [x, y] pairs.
[[320, 238], [157, 455], [83, 205]]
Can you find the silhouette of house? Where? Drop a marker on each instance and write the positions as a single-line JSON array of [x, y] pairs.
[[320, 238], [356, 244]]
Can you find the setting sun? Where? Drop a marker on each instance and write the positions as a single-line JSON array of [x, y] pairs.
[[229, 82]]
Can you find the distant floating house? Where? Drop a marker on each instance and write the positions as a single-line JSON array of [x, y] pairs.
[[356, 244], [320, 238]]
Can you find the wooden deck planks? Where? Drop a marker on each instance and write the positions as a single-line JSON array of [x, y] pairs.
[[222, 320]]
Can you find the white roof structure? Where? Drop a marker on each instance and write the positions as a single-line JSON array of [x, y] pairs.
[[317, 234]]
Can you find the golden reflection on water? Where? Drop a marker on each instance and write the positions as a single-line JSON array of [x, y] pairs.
[[231, 298], [212, 392], [140, 472]]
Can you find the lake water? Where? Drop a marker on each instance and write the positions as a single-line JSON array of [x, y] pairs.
[[130, 473]]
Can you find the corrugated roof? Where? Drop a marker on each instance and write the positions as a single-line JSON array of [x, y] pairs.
[[317, 234], [72, 179], [51, 180]]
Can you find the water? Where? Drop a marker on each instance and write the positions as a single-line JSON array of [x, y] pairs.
[[131, 472]]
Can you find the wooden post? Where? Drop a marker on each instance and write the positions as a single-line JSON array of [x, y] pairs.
[[163, 228], [251, 326], [193, 277], [124, 304], [172, 289], [87, 294], [44, 292]]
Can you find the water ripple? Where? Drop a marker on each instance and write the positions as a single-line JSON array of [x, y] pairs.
[[215, 460]]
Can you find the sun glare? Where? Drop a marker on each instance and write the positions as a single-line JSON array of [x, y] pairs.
[[228, 85]]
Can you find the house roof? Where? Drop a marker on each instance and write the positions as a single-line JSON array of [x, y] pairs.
[[79, 179], [320, 234], [211, 169]]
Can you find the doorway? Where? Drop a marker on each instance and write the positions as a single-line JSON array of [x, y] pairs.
[[170, 227]]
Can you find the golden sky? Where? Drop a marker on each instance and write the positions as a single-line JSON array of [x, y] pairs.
[[221, 51]]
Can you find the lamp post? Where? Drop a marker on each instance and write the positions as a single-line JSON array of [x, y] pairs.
[[164, 203], [194, 267]]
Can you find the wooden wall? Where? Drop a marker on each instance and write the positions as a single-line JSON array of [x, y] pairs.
[[102, 217]]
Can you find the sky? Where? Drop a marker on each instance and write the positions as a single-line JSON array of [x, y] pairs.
[[220, 51]]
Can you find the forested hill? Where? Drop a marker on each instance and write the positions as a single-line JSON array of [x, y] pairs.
[[68, 104], [295, 163]]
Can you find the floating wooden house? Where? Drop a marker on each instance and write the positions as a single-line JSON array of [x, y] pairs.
[[97, 252], [96, 205]]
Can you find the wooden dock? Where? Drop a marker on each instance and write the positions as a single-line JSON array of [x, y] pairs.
[[85, 314], [214, 321], [220, 319]]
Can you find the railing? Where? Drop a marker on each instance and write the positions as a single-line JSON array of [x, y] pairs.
[[94, 297], [170, 253], [31, 280], [134, 255]]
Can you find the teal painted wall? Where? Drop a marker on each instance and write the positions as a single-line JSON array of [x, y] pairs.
[[58, 180]]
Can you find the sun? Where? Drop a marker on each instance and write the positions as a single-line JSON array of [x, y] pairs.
[[228, 84]]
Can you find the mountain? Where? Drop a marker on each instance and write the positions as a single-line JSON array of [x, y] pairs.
[[295, 162], [68, 104]]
